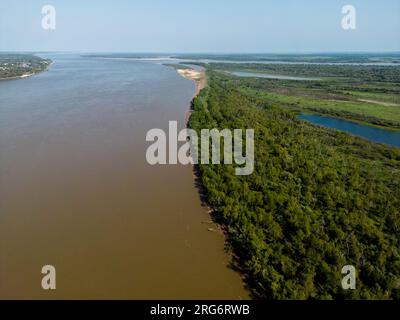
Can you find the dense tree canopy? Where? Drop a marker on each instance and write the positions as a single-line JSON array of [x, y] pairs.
[[317, 201]]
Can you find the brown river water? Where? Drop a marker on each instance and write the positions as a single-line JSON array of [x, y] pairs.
[[76, 191]]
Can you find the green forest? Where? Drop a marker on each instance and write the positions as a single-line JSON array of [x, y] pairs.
[[318, 200]]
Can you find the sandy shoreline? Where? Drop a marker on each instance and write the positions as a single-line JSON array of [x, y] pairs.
[[200, 80], [197, 76], [26, 75]]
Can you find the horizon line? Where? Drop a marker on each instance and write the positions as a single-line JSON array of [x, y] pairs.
[[207, 52]]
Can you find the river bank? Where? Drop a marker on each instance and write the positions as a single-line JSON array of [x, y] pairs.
[[199, 77], [28, 74], [200, 80]]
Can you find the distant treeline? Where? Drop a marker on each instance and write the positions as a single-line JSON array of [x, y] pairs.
[[308, 58], [365, 73]]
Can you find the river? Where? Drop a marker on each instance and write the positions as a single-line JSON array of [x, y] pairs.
[[371, 133], [76, 191], [271, 76]]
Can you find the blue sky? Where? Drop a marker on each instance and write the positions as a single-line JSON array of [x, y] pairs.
[[200, 26]]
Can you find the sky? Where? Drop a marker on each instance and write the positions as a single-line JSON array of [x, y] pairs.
[[200, 26]]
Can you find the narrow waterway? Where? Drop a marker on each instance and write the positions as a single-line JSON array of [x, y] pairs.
[[368, 132], [271, 76]]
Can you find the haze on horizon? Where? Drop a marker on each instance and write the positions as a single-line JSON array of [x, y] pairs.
[[208, 26]]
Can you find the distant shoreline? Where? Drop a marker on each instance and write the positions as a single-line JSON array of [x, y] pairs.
[[28, 75]]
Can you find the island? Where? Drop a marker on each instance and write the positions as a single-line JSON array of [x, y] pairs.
[[15, 66]]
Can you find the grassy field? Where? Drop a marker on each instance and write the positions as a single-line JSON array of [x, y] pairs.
[[314, 103], [366, 94]]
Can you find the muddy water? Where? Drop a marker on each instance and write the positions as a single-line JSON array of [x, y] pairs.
[[76, 191]]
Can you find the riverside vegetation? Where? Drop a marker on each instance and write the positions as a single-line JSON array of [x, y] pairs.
[[21, 65], [319, 199], [361, 93]]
